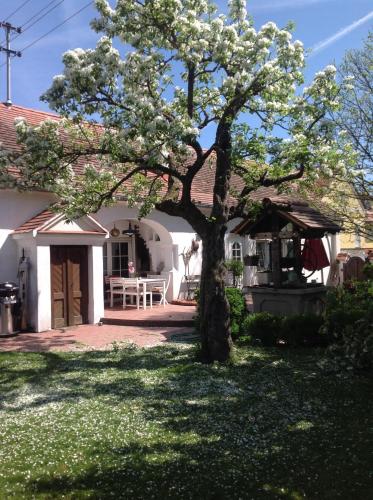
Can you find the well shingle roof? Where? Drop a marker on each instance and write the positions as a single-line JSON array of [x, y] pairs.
[[308, 219]]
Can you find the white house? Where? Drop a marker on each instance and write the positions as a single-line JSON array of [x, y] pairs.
[[67, 261]]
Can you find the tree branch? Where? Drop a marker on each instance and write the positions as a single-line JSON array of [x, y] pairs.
[[191, 80], [285, 178]]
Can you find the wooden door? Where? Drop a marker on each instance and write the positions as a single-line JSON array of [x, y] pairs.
[[69, 285], [58, 286], [353, 269]]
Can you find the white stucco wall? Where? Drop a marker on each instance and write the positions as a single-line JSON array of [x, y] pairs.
[[95, 284], [15, 209], [42, 315]]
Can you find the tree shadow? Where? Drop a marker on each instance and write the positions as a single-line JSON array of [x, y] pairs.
[[264, 428]]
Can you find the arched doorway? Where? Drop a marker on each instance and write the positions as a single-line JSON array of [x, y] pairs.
[[142, 261], [147, 244]]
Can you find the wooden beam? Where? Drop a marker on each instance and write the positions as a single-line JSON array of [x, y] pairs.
[[276, 251], [298, 256]]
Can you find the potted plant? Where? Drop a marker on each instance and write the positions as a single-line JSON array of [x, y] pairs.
[[236, 267]]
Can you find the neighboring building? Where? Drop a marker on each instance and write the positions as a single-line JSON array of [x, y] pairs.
[[67, 261], [359, 243]]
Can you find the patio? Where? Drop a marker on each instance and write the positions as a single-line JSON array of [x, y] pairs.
[[145, 328], [93, 337], [169, 316]]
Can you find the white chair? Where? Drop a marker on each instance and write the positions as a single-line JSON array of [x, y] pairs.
[[144, 293], [124, 287], [157, 288], [106, 287], [117, 288], [107, 290]]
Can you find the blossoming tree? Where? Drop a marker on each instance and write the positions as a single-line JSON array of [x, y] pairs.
[[183, 68]]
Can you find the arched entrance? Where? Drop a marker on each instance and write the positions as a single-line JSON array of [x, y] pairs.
[[146, 243]]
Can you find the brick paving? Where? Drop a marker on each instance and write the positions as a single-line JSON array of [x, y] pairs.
[[87, 337], [170, 315]]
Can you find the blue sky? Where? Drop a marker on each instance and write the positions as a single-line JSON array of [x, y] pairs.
[[329, 26]]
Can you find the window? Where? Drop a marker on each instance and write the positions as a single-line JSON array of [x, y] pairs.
[[263, 250], [119, 259], [236, 251]]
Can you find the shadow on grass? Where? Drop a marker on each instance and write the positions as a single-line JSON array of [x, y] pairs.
[[272, 426]]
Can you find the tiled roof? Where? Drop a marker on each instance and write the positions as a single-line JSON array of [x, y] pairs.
[[36, 222], [202, 187], [271, 194], [203, 183], [8, 114], [39, 222], [8, 136]]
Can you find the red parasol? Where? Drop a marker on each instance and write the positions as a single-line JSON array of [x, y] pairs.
[[314, 256]]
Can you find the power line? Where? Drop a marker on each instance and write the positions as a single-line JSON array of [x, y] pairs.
[[53, 29], [39, 12], [39, 18], [18, 8], [56, 27]]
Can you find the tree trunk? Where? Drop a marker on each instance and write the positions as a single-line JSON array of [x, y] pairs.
[[216, 341]]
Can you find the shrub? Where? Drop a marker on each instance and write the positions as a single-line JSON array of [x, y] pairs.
[[347, 305], [237, 306], [272, 329], [368, 271], [302, 329], [263, 327], [354, 349], [349, 326]]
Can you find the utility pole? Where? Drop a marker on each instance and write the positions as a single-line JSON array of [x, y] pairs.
[[8, 30]]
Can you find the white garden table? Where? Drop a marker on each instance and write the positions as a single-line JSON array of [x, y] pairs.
[[136, 287]]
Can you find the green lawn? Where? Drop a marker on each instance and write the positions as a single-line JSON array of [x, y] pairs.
[[135, 423]]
